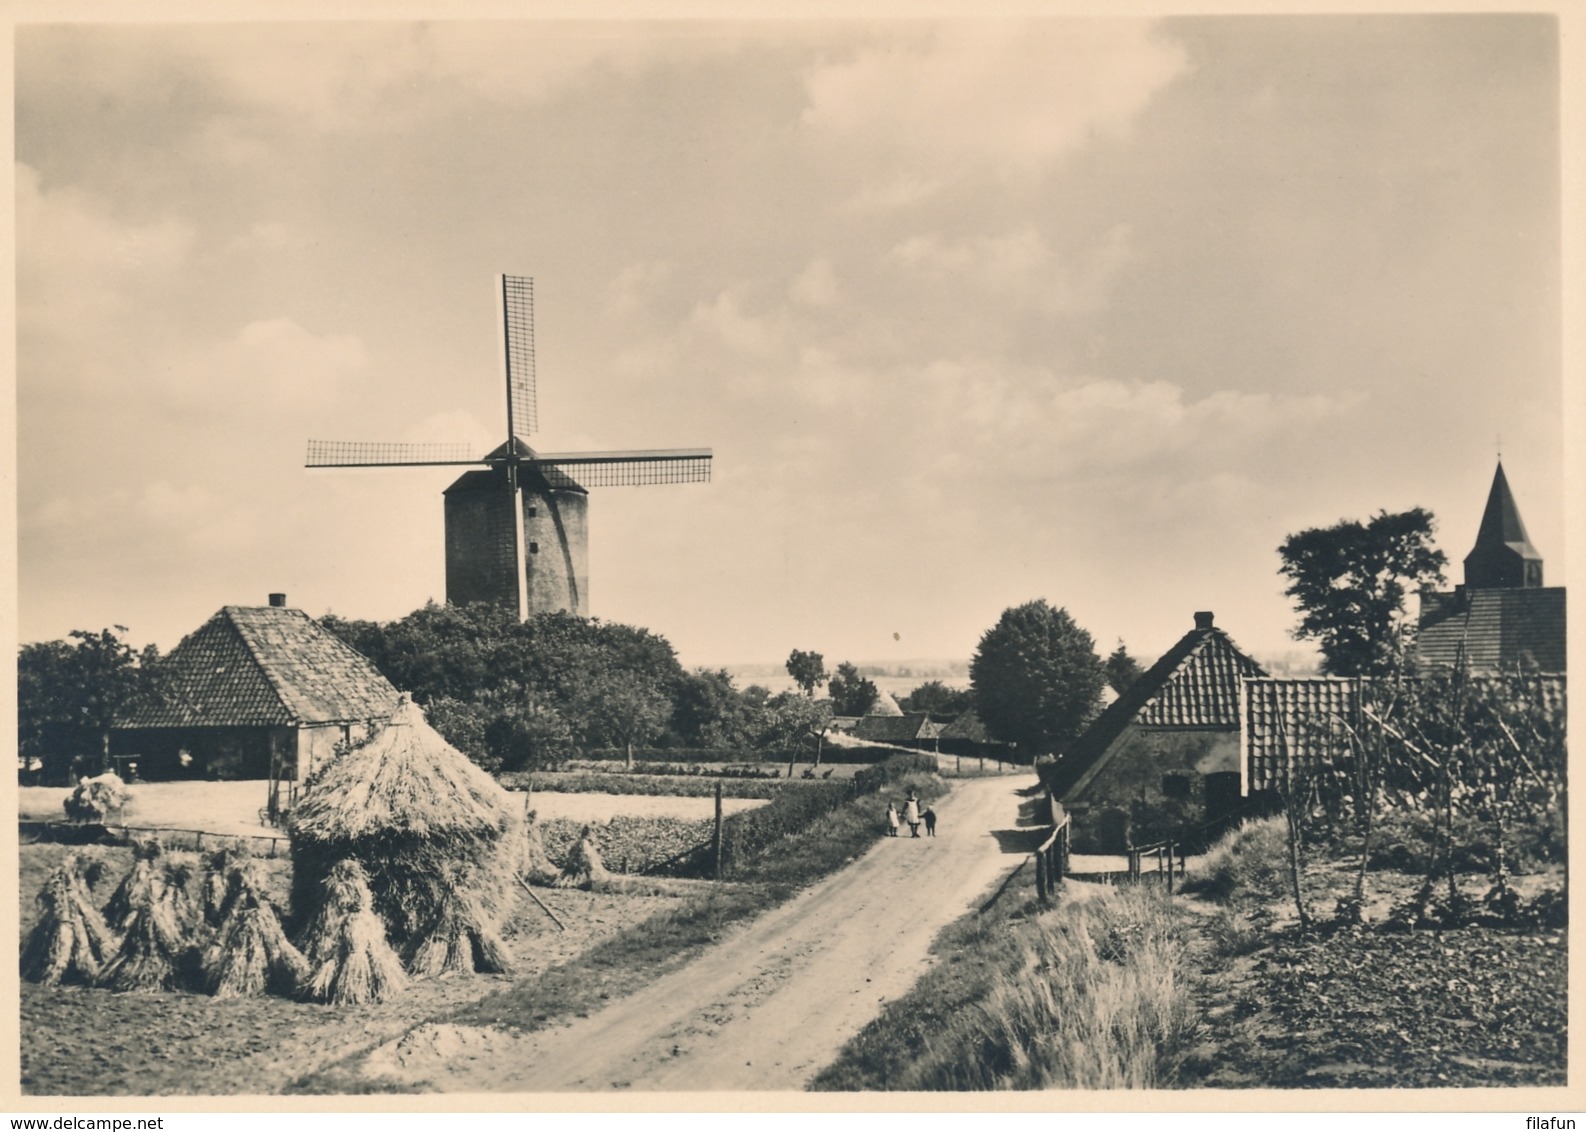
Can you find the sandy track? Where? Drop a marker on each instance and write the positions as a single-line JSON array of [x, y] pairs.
[[772, 1004]]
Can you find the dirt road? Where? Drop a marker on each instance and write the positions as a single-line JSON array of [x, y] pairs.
[[772, 1004]]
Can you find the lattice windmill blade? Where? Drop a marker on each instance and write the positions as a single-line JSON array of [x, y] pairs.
[[380, 454], [517, 327], [636, 468]]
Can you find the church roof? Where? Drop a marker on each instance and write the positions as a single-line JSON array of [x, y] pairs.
[[263, 666], [1496, 630], [1194, 685], [1500, 521]]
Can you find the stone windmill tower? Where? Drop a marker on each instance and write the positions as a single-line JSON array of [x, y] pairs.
[[517, 527]]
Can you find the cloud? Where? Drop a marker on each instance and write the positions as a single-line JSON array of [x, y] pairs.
[[1020, 268], [1006, 96], [816, 285], [270, 367], [78, 263]]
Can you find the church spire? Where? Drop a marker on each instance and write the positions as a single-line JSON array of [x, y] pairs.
[[1503, 557]]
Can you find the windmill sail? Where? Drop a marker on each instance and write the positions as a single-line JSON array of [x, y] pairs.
[[637, 468], [380, 454], [517, 310]]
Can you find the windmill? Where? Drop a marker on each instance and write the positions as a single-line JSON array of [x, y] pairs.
[[517, 527]]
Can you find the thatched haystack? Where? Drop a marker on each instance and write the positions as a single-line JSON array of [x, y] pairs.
[[426, 824], [250, 954], [349, 960], [584, 868], [70, 942]]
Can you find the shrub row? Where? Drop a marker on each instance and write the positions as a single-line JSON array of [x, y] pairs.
[[652, 786]]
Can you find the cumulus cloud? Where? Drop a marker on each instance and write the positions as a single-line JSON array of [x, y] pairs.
[[271, 366], [76, 257], [1009, 95]]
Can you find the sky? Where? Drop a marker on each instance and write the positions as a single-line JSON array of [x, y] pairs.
[[971, 313]]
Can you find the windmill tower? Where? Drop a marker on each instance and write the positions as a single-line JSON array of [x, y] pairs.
[[517, 527]]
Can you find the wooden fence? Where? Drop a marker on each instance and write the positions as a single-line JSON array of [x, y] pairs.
[[82, 833]]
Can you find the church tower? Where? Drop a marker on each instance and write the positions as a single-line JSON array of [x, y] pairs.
[[1503, 557]]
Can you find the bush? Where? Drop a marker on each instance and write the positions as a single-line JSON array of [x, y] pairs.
[[1248, 862]]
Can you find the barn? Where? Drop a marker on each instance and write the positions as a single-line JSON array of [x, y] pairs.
[[255, 692], [1163, 756]]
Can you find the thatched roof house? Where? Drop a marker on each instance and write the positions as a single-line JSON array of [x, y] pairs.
[[424, 821], [254, 692]]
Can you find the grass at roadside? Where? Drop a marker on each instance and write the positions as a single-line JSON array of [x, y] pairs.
[[1089, 994]]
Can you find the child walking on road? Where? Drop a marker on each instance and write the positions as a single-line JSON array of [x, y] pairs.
[[911, 814]]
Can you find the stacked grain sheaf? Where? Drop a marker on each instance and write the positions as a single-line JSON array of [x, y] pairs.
[[436, 837]]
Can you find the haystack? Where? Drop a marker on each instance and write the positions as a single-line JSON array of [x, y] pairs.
[[95, 799], [426, 824], [153, 879], [349, 960], [462, 938], [224, 872], [584, 868], [70, 942], [154, 913], [250, 953], [533, 863]]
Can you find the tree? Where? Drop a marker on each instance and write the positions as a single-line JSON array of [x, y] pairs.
[[790, 720], [1036, 678], [710, 713], [69, 696], [808, 670], [851, 693], [1121, 669], [938, 699], [1349, 583], [619, 708]]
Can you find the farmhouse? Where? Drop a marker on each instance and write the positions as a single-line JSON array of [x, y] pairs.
[[1165, 754], [1503, 617], [910, 729], [254, 692]]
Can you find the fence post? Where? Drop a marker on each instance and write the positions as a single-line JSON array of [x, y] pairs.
[[1170, 868], [1134, 864], [718, 835], [1040, 876]]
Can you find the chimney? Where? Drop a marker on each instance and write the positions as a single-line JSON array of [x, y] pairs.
[[1203, 620], [278, 601]]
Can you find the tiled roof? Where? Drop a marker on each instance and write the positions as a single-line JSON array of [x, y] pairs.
[[1284, 721], [1287, 723], [967, 726], [1194, 685], [263, 667], [895, 728], [1496, 629]]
